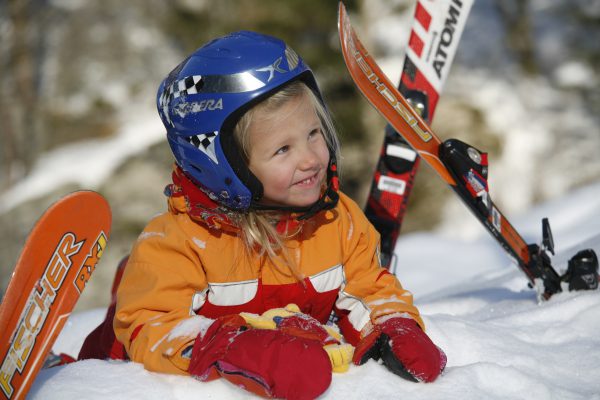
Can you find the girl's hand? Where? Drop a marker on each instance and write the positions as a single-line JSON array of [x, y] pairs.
[[267, 362], [404, 348]]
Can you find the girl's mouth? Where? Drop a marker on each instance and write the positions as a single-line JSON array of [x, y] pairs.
[[308, 181]]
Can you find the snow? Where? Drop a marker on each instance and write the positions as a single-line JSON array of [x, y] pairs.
[[190, 327], [575, 74], [501, 343]]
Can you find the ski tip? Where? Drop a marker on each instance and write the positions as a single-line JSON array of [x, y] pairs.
[[341, 17], [86, 193], [87, 197], [344, 25], [341, 10]]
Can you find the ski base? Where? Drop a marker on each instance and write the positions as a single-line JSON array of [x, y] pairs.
[[57, 261]]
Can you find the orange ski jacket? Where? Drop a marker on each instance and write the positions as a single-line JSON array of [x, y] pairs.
[[182, 274]]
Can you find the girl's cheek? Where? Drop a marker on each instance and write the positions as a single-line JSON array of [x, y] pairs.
[[284, 176]]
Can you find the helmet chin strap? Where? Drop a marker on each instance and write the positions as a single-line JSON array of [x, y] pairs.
[[327, 201]]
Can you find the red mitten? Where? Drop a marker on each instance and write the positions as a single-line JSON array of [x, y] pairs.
[[404, 349], [213, 345], [269, 363], [305, 326]]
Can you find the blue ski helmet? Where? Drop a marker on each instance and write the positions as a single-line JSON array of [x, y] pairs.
[[202, 99]]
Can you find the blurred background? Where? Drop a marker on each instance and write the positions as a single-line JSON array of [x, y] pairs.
[[77, 103]]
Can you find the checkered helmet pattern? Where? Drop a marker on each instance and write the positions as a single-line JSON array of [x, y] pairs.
[[205, 143], [186, 86]]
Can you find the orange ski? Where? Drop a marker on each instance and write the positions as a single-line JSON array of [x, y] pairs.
[[55, 264], [461, 166]]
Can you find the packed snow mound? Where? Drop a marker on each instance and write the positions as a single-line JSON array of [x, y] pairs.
[[501, 344]]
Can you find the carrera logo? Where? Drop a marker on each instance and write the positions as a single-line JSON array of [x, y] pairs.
[[447, 37], [183, 109], [40, 302]]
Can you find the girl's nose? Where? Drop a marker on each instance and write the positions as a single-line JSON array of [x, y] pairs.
[[308, 159]]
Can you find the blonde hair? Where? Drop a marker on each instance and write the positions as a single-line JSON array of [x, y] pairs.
[[259, 229]]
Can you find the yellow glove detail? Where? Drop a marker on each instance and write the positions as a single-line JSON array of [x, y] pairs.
[[258, 321], [265, 321], [340, 356]]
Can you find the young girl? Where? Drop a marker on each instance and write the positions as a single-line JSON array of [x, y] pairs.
[[256, 223]]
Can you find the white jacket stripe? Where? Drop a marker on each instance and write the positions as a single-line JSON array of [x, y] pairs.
[[330, 279], [236, 293], [232, 293], [359, 312]]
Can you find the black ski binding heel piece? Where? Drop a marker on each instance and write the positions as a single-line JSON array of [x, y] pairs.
[[582, 272]]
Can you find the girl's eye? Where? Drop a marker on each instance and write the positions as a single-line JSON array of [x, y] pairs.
[[314, 133], [282, 150]]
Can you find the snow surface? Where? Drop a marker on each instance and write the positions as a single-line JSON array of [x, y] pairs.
[[501, 344]]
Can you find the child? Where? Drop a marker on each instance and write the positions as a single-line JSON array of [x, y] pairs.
[[256, 223]]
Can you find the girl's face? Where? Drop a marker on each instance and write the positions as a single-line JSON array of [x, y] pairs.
[[288, 153]]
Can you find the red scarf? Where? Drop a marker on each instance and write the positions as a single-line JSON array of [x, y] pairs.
[[187, 197]]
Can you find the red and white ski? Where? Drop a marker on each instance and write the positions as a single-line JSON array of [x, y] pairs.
[[434, 36], [55, 264], [461, 166]]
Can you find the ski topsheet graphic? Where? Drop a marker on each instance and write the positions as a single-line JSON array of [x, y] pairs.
[[434, 38], [435, 32], [55, 264], [461, 166]]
